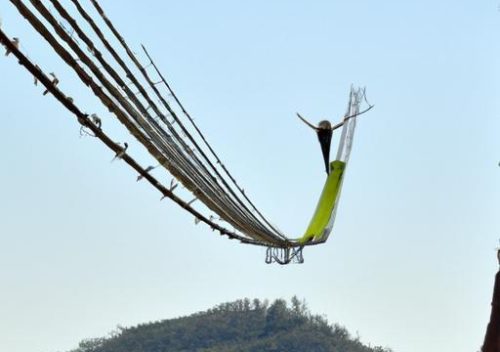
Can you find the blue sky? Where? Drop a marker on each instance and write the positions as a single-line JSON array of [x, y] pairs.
[[410, 265]]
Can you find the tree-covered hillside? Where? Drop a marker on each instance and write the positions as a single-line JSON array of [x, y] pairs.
[[240, 326]]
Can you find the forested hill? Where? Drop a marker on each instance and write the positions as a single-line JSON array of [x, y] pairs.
[[241, 326]]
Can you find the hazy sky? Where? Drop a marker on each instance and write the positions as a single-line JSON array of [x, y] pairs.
[[411, 261]]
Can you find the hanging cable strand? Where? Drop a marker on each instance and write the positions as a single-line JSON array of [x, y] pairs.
[[217, 159], [144, 73], [132, 56], [124, 115], [130, 75], [272, 227], [128, 113], [112, 73], [86, 121], [120, 82], [98, 56], [152, 85]]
